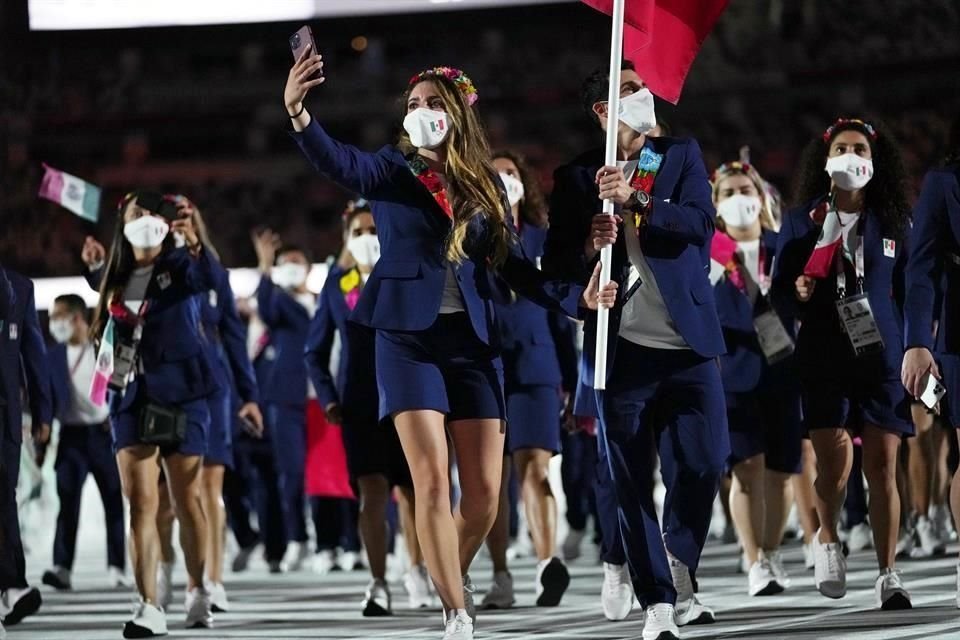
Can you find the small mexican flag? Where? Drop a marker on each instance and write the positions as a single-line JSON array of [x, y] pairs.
[[104, 367], [70, 192]]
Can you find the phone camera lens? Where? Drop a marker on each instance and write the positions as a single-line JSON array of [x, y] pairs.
[[295, 41]]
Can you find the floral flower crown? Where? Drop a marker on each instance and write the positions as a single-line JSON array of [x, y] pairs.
[[462, 80], [866, 126], [731, 167]]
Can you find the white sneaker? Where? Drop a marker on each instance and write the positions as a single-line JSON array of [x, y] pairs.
[[891, 594], [58, 578], [830, 570], [907, 541], [930, 544], [468, 591], [458, 627], [943, 522], [148, 621], [17, 604], [164, 585], [418, 586], [500, 595], [323, 562], [808, 557], [349, 561], [552, 582], [242, 560], [860, 537], [571, 545], [218, 597], [297, 554], [778, 568], [3, 632], [376, 601], [761, 580], [117, 579], [198, 607], [689, 609], [616, 595], [660, 623]]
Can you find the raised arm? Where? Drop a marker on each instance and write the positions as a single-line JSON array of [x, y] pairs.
[[346, 165]]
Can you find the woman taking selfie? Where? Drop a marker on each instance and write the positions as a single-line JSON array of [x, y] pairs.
[[840, 268], [440, 217], [153, 357], [763, 405]]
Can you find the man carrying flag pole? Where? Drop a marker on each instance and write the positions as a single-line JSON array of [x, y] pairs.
[[656, 379]]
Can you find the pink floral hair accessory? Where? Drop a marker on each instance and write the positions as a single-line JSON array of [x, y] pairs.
[[462, 80]]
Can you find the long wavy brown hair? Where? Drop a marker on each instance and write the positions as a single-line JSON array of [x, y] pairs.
[[472, 183], [533, 207]]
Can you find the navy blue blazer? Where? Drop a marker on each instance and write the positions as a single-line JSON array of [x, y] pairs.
[[934, 266], [675, 241], [356, 380], [23, 357], [742, 366], [227, 338], [820, 334], [173, 350], [405, 288], [538, 345], [288, 323]]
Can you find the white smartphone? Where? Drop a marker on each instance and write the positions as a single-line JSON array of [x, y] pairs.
[[933, 391]]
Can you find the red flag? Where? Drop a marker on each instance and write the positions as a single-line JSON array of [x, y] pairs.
[[662, 37]]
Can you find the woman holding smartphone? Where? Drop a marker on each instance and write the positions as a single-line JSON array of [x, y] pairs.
[[148, 319], [440, 217], [227, 350], [840, 268]]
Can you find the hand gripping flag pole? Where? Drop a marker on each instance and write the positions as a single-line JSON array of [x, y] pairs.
[[610, 159]]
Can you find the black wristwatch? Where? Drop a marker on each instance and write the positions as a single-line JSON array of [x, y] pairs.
[[639, 201]]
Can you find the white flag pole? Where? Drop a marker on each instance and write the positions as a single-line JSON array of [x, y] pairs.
[[610, 159]]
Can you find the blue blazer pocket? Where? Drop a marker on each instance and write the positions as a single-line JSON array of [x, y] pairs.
[[702, 293]]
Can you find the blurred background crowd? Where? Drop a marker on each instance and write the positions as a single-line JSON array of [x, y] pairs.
[[200, 107]]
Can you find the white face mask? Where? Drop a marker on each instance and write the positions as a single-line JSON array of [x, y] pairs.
[[365, 249], [636, 111], [289, 275], [146, 232], [849, 171], [514, 187], [739, 210], [427, 128], [61, 329]]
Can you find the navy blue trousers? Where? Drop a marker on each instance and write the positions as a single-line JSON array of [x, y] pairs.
[[855, 503], [254, 481], [676, 396], [86, 449], [336, 523], [578, 472], [288, 431], [13, 572]]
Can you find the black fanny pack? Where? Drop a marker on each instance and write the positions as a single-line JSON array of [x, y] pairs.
[[162, 425]]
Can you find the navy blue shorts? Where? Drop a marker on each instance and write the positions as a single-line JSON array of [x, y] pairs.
[[446, 368], [125, 428], [766, 420], [373, 447], [950, 371], [533, 418], [848, 397], [220, 439]]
